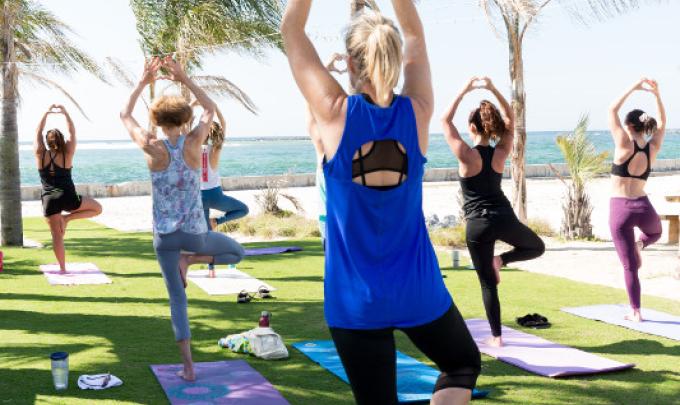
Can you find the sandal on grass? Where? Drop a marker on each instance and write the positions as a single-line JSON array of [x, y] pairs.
[[535, 321], [244, 297], [263, 292]]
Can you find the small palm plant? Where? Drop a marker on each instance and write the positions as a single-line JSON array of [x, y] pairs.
[[584, 163]]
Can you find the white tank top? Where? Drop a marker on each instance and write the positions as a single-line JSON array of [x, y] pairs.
[[209, 178]]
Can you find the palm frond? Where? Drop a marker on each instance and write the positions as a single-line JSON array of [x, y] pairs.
[[220, 86], [44, 81]]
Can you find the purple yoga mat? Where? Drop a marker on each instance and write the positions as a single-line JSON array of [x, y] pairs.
[[272, 250], [76, 273], [540, 356], [219, 382]]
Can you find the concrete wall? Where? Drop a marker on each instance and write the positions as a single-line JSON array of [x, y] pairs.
[[140, 188]]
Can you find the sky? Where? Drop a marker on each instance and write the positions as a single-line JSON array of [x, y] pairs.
[[570, 69]]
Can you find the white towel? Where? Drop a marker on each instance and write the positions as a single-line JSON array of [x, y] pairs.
[[98, 381]]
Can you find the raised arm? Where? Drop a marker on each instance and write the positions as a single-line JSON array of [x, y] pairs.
[[39, 142], [657, 137], [458, 146], [139, 135], [506, 142], [417, 76], [317, 85], [71, 140], [175, 73], [618, 133]]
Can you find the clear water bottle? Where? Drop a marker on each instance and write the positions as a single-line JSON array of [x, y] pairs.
[[60, 370], [455, 256]]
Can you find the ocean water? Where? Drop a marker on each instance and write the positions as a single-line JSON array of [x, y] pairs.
[[113, 162]]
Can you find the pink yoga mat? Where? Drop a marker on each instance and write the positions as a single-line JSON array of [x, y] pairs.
[[219, 382], [541, 356], [76, 273]]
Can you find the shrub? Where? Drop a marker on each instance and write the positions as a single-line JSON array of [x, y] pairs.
[[541, 227]]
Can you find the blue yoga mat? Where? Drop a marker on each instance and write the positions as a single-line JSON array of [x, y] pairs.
[[655, 322], [415, 380]]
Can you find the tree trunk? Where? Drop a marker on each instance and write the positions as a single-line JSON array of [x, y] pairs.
[[519, 191], [11, 233]]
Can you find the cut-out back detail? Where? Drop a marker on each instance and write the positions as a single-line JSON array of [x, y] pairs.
[[383, 156], [622, 169]]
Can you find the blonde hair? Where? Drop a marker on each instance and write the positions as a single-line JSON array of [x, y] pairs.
[[374, 44], [170, 111]]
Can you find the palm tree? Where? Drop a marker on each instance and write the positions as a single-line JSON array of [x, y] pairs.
[[517, 17], [34, 44], [584, 163], [191, 30]]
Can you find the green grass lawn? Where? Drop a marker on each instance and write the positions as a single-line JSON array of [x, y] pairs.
[[123, 327]]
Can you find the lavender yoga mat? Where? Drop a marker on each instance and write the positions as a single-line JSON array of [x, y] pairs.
[[76, 273], [655, 323], [219, 382], [541, 356], [272, 250]]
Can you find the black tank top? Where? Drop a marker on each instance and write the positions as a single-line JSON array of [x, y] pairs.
[[482, 193], [55, 177], [622, 169]]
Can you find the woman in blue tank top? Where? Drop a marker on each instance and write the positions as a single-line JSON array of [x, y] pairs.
[[381, 272], [178, 219], [488, 214]]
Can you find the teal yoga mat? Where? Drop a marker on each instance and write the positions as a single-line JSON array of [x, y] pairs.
[[415, 380]]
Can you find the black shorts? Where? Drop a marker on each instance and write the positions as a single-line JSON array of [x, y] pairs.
[[57, 200]]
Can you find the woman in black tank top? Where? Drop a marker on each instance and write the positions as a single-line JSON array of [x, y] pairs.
[[58, 191], [488, 213]]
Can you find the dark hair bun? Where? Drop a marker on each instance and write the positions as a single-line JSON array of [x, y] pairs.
[[641, 122]]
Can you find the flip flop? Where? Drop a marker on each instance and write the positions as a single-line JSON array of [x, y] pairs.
[[263, 292], [535, 321]]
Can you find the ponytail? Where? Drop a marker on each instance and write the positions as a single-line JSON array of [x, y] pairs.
[[375, 46]]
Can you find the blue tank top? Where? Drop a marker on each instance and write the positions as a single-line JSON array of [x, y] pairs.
[[381, 268]]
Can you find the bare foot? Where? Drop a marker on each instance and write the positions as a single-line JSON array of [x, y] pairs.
[[184, 268], [495, 341], [211, 273], [213, 224], [634, 316], [497, 264], [187, 375]]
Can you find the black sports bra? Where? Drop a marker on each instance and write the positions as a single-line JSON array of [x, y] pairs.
[[622, 169]]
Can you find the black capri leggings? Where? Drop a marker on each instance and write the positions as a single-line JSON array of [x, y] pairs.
[[481, 235], [369, 357]]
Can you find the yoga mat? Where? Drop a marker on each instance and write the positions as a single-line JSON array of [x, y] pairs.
[[540, 356], [272, 250], [219, 382], [76, 274], [655, 322], [226, 281], [415, 380]]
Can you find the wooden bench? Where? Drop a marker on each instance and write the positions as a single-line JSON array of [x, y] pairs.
[[673, 227]]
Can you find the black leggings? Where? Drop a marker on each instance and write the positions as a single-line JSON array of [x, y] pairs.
[[481, 235], [369, 357]]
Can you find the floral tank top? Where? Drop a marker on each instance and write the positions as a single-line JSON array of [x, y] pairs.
[[177, 203]]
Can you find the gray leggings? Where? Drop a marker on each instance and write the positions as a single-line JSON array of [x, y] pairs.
[[224, 249]]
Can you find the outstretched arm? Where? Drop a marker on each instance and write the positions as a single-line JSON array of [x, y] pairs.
[[39, 143], [657, 137], [617, 130], [139, 135], [417, 76], [318, 87], [458, 146]]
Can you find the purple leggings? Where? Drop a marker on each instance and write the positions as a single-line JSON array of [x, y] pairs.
[[625, 214]]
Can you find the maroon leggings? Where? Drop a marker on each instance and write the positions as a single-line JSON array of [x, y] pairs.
[[626, 214]]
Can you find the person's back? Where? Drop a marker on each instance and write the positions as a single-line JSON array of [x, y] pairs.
[[483, 191], [378, 245]]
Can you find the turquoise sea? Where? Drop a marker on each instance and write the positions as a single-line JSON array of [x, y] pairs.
[[113, 162]]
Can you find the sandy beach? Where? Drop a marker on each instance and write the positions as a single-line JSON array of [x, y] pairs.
[[590, 262]]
